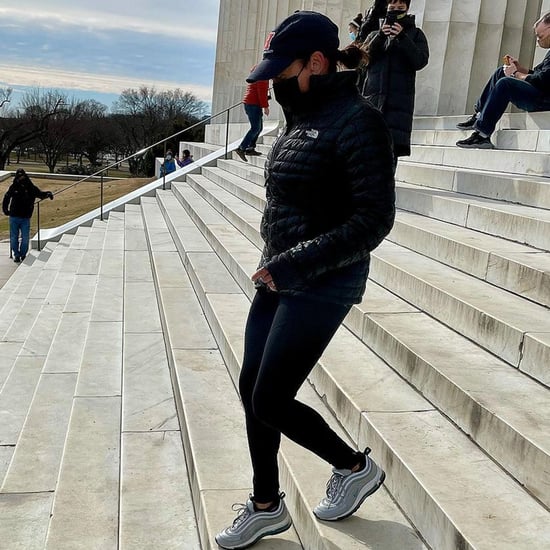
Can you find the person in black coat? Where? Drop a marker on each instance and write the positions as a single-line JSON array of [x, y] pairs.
[[396, 52], [18, 204], [371, 21], [330, 200]]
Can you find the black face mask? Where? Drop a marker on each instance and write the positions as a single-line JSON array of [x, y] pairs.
[[398, 14], [288, 94]]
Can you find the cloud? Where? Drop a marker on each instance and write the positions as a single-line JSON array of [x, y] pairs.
[[193, 24], [59, 79]]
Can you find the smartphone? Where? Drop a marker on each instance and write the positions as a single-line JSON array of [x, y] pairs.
[[391, 18]]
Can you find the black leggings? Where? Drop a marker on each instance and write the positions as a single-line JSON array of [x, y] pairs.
[[284, 338]]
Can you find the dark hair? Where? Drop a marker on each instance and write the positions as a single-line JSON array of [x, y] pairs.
[[186, 153], [544, 19], [357, 21], [408, 2], [350, 57]]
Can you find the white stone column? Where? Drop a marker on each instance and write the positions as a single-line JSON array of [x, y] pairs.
[[467, 40]]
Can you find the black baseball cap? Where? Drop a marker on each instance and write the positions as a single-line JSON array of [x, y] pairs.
[[298, 36]]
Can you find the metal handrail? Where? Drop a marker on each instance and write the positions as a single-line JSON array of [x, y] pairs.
[[138, 153]]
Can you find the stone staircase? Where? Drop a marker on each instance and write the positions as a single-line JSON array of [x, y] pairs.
[[121, 348]]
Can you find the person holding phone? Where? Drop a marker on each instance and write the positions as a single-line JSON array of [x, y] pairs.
[[396, 52], [527, 89]]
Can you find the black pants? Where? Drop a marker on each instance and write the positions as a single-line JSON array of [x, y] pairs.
[[284, 338]]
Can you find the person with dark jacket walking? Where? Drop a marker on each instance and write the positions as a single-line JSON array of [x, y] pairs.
[[330, 200], [396, 52], [18, 204]]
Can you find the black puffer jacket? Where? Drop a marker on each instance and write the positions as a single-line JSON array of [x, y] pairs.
[[391, 78], [20, 196], [330, 194]]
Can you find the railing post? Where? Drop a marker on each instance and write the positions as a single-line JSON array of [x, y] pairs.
[[163, 168], [226, 133], [101, 198], [38, 223]]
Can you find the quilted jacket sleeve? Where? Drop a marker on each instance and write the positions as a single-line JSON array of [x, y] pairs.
[[364, 150]]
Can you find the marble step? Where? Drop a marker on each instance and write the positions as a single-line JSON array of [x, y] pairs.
[[247, 172], [237, 211], [509, 121], [513, 417], [199, 370], [521, 189], [517, 268], [511, 266], [24, 360], [493, 318], [29, 282], [522, 224], [500, 331], [406, 403], [238, 184], [135, 426], [512, 140], [514, 267], [24, 269], [511, 162], [34, 466]]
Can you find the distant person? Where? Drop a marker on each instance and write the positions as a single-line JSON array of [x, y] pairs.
[[255, 101], [18, 204], [169, 164], [187, 158], [527, 89], [396, 52], [329, 202]]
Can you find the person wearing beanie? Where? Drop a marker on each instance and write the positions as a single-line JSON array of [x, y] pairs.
[[330, 200], [354, 26], [396, 52]]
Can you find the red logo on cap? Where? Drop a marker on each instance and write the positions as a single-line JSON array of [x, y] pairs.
[[268, 40]]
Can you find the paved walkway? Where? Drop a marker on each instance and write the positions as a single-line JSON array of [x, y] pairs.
[[7, 266]]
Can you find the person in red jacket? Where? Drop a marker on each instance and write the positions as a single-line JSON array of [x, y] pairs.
[[255, 100]]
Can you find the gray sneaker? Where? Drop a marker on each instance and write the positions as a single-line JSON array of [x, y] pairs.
[[251, 525], [346, 490]]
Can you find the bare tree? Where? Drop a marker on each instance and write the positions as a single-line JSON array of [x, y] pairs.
[[21, 126], [146, 116]]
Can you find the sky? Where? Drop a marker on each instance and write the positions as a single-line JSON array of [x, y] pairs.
[[94, 49]]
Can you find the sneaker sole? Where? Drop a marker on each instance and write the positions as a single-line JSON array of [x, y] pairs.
[[462, 146], [362, 499], [261, 535], [469, 127]]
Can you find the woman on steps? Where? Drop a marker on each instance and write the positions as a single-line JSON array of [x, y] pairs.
[[330, 201]]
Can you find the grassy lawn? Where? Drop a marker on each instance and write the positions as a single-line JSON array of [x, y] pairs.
[[72, 203]]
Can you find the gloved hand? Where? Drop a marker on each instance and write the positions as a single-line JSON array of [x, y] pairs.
[[50, 195]]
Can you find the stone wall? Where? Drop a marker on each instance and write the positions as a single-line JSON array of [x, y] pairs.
[[467, 41]]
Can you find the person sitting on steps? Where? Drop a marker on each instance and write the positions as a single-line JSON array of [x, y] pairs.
[[527, 89]]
